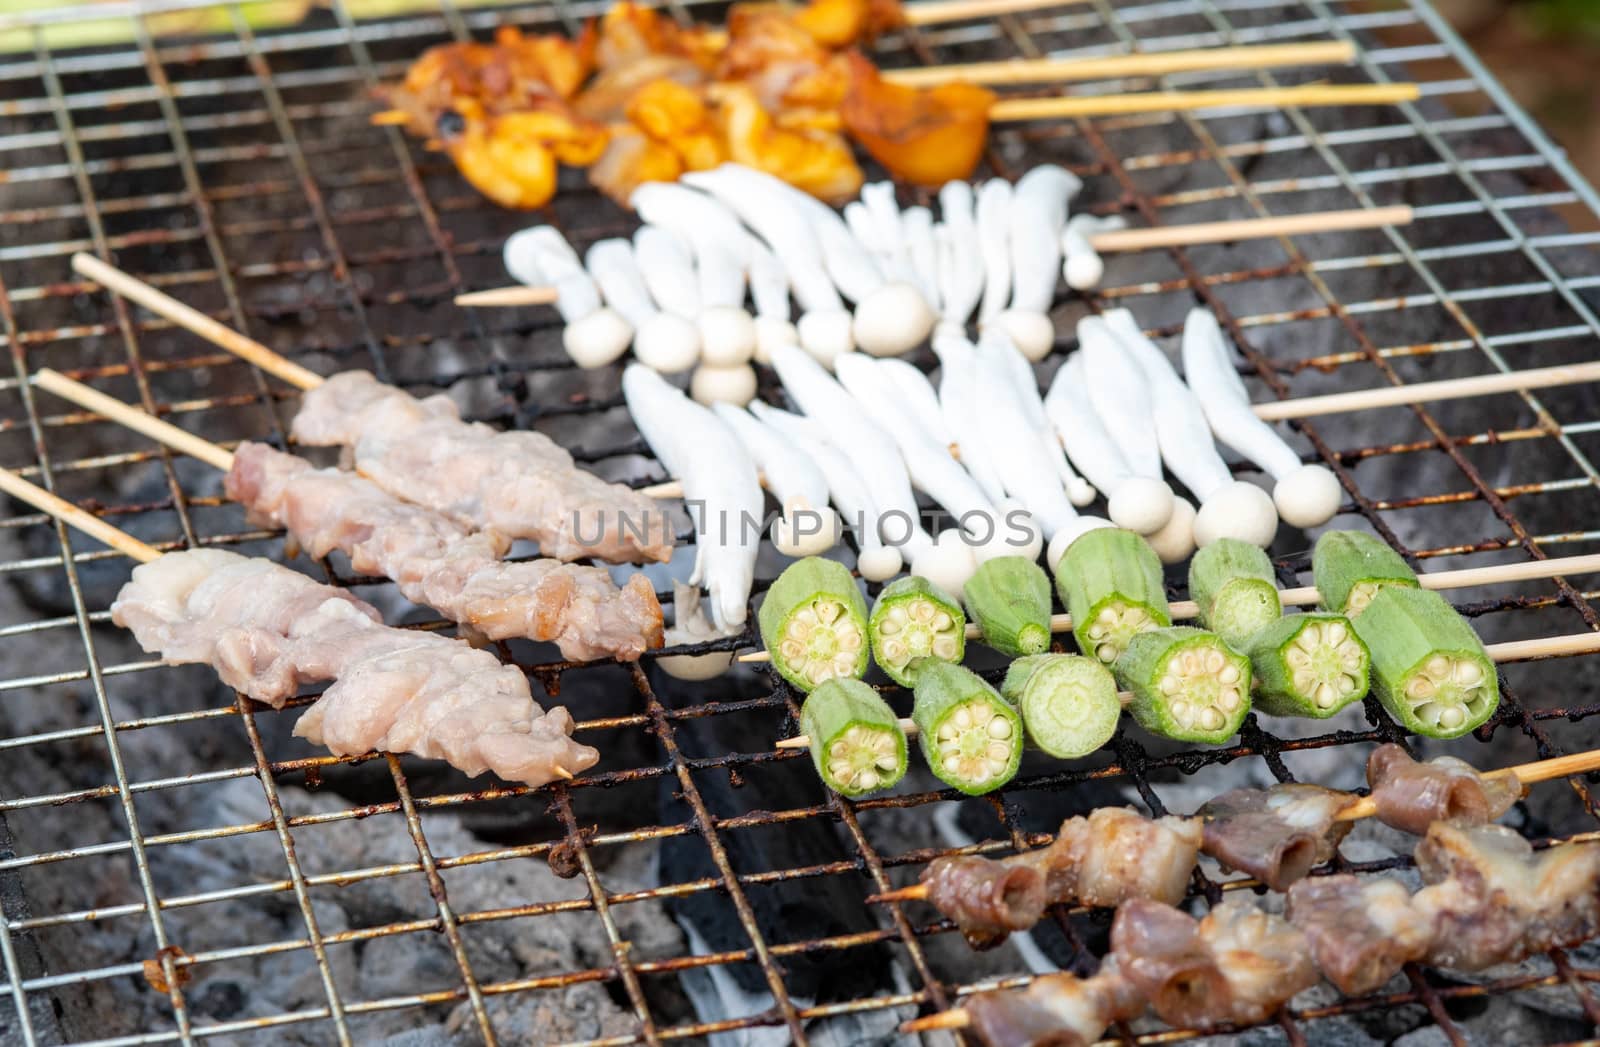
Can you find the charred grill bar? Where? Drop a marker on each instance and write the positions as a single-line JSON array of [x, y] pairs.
[[238, 172]]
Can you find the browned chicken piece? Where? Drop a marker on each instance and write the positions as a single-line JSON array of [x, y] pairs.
[[817, 161], [1235, 967], [986, 899], [1055, 1010], [926, 136], [1275, 835], [631, 159], [1361, 933], [1411, 796], [780, 61], [1116, 853], [677, 117], [1493, 900], [513, 158], [629, 33], [844, 23]]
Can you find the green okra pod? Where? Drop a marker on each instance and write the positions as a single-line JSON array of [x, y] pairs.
[[814, 623], [1233, 584], [1110, 581], [856, 740], [1009, 597], [1429, 668], [970, 735], [1350, 567], [1068, 703], [1308, 665], [912, 619], [1187, 684]]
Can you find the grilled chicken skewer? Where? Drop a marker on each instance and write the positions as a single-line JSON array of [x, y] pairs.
[[1307, 596], [1276, 835], [433, 558], [1112, 240], [268, 631], [519, 484]]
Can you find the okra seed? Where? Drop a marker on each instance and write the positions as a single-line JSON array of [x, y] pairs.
[[1303, 680], [999, 751], [1468, 674], [1170, 684], [895, 652], [945, 647], [1106, 652], [791, 650], [1229, 674], [947, 731], [1210, 719], [867, 780], [963, 717], [1182, 712], [922, 611], [999, 728], [1335, 633], [1326, 696], [1451, 717], [1215, 661], [1348, 684], [942, 621], [843, 664], [952, 763], [1439, 667], [800, 629], [828, 611], [1097, 632], [1231, 698], [849, 639], [889, 627], [1298, 658], [1420, 688]]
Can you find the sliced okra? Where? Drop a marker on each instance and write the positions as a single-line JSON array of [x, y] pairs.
[[1068, 703], [1351, 566], [1429, 668], [1233, 584], [914, 619], [1187, 684], [814, 623], [1308, 665], [1009, 597], [970, 735], [1110, 581], [856, 740]]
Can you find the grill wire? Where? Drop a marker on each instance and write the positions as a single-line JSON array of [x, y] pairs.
[[239, 174]]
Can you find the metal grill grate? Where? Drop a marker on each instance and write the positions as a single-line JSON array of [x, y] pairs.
[[239, 173]]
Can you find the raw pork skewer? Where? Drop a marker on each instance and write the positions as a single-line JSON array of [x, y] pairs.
[[435, 560], [268, 631], [1466, 578], [520, 484]]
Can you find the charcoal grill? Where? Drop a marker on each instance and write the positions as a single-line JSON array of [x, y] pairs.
[[237, 171]]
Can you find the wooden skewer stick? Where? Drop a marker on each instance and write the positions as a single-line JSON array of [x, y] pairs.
[[1510, 651], [1307, 595], [1538, 771], [191, 319], [70, 514], [932, 12], [1010, 110], [1108, 241], [1112, 67], [130, 417]]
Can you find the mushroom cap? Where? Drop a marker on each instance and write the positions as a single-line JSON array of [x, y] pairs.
[[1083, 270], [1309, 496], [696, 666], [879, 563], [948, 562], [1032, 333], [771, 332], [733, 385], [1239, 510], [1174, 543], [1080, 492], [826, 335], [1015, 533], [727, 335], [597, 339], [667, 343], [892, 320], [1069, 534], [817, 538], [1142, 504]]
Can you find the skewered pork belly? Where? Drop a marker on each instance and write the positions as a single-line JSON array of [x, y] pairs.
[[520, 484], [438, 562], [1411, 796], [987, 900], [268, 630], [1360, 932], [1275, 835], [1055, 1010]]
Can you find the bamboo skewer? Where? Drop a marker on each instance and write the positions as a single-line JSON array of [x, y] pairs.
[[72, 516], [1510, 651], [1116, 67], [1364, 807], [130, 417], [932, 12], [1307, 595], [1108, 241], [1009, 110]]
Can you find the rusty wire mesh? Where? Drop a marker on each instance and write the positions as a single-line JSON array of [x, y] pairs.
[[238, 172]]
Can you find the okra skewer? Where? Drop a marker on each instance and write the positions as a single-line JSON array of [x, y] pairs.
[[815, 618], [1234, 590], [1110, 581], [1069, 703], [1309, 596], [1429, 668], [1350, 567], [914, 619], [1187, 684], [856, 743], [1567, 645], [969, 734], [1308, 665], [1009, 597]]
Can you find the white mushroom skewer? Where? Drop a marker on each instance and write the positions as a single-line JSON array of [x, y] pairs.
[[993, 216], [667, 268], [996, 350], [1142, 504], [594, 334], [883, 230], [1081, 265], [961, 272], [1115, 385], [769, 290], [824, 327], [808, 527], [876, 562], [662, 341], [721, 253], [717, 473], [1037, 213], [918, 398], [871, 450], [962, 413], [1229, 508], [923, 250]]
